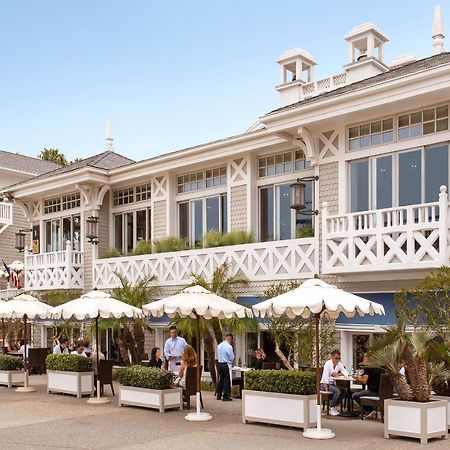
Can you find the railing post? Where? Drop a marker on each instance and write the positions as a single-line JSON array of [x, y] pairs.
[[325, 214], [443, 225], [69, 254], [26, 272]]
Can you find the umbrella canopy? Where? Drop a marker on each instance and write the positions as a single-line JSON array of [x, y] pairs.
[[196, 301], [95, 304], [24, 305], [314, 296]]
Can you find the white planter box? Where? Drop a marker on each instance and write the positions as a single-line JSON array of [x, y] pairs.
[[75, 383], [11, 378], [151, 398], [447, 399], [281, 409], [413, 419]]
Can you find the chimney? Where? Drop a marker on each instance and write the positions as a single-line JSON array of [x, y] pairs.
[[438, 31]]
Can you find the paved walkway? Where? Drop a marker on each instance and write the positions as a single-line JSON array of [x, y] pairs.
[[41, 421]]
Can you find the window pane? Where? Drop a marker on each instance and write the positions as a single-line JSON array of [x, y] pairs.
[[403, 121], [383, 167], [141, 224], [442, 125], [130, 232], [149, 224], [183, 217], [416, 117], [359, 186], [442, 111], [388, 124], [403, 133], [197, 213], [56, 226], [376, 139], [428, 115], [284, 219], [353, 144], [48, 236], [388, 136], [303, 222], [436, 171], [76, 233], [212, 214], [118, 236], [266, 214], [428, 127], [415, 130], [364, 141], [410, 178], [375, 127], [224, 214], [353, 132], [67, 231]]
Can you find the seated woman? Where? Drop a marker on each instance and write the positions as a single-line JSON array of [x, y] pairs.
[[260, 357], [189, 360], [155, 358]]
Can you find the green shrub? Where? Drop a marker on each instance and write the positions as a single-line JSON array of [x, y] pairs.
[[213, 238], [238, 237], [282, 381], [170, 244], [143, 248], [111, 253], [305, 232], [8, 362], [68, 363], [145, 377]]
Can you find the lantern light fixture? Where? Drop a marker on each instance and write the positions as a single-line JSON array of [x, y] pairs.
[[298, 196], [92, 229], [20, 239]]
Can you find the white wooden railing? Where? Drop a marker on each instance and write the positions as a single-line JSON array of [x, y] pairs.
[[320, 86], [54, 270], [263, 261], [6, 215], [403, 238]]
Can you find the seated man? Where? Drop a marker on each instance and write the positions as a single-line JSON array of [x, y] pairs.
[[62, 347], [371, 378], [80, 350], [333, 368]]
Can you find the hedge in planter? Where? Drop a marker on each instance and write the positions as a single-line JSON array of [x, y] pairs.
[[145, 377], [281, 381], [8, 362], [68, 363], [11, 371]]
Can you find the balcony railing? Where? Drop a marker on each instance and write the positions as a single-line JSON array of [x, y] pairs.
[[6, 215], [403, 238], [54, 270], [263, 261], [320, 86]]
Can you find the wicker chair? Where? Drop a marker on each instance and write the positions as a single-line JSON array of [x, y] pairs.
[[191, 385], [385, 391]]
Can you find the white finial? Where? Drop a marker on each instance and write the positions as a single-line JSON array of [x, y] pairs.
[[438, 31], [109, 138]]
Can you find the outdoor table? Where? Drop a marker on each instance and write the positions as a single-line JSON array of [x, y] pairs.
[[345, 382], [241, 371]]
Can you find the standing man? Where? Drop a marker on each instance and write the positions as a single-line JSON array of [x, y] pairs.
[[333, 368], [225, 356], [173, 349], [62, 347]]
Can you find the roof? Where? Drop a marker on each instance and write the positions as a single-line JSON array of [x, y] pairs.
[[25, 164], [105, 161], [397, 72]]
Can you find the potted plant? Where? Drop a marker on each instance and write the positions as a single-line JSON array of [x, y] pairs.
[[281, 397], [70, 374], [148, 387], [11, 373], [413, 413], [441, 388]]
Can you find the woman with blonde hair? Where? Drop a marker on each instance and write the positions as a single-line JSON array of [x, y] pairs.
[[260, 357], [189, 360]]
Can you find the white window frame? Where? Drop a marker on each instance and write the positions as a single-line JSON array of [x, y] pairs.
[[60, 219], [123, 213], [284, 173]]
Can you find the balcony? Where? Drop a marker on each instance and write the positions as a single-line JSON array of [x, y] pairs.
[[318, 87], [6, 215], [54, 270], [403, 238], [264, 261]]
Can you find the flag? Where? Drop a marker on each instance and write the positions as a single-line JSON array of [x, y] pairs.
[[12, 276]]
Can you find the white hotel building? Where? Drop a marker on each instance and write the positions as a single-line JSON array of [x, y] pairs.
[[376, 136]]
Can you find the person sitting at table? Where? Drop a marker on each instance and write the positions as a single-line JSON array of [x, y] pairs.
[[61, 348], [331, 369], [189, 359], [12, 346], [23, 350], [155, 358], [94, 357], [80, 350], [371, 378], [260, 358]]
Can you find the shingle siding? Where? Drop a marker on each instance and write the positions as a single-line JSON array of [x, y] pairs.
[[238, 205], [160, 220]]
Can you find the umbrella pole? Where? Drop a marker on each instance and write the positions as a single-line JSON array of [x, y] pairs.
[[97, 400], [26, 387], [319, 432], [3, 333], [198, 416]]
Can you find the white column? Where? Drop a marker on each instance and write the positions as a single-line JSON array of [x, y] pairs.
[[346, 349]]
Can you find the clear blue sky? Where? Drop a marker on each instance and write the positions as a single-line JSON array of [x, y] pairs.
[[169, 74]]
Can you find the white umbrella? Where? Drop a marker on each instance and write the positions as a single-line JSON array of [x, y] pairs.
[[24, 306], [314, 297], [196, 302], [93, 305]]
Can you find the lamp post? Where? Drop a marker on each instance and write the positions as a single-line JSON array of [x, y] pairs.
[[20, 239], [298, 196]]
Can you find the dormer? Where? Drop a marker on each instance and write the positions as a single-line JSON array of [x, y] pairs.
[[365, 52], [296, 68]]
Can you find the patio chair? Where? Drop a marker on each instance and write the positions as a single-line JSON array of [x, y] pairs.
[[105, 367], [191, 385], [385, 391], [36, 359]]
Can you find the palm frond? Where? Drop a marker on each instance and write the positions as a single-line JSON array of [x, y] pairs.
[[420, 342], [388, 357], [437, 372]]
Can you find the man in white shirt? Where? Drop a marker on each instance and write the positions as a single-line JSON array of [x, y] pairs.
[[62, 347], [80, 350], [23, 350], [333, 368]]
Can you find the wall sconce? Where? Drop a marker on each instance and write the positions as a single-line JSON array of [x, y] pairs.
[[92, 229], [20, 239], [298, 196]]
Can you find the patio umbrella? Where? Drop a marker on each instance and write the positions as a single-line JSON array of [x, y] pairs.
[[24, 306], [196, 302], [315, 297], [93, 305]]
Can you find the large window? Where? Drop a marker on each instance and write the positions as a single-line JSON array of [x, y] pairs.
[[419, 174], [131, 227], [284, 162], [277, 220], [202, 180], [64, 202], [59, 231], [132, 194], [370, 134], [197, 217], [419, 123]]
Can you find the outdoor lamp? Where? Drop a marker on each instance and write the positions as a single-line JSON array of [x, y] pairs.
[[298, 195], [20, 239], [92, 229]]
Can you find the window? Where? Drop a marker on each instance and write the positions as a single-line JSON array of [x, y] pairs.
[[199, 216], [286, 162], [277, 220], [123, 196], [424, 122], [71, 201], [359, 186], [143, 192], [59, 231], [130, 228], [409, 178], [202, 180], [371, 134], [52, 205]]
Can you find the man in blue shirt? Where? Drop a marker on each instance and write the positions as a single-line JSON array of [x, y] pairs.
[[173, 349], [225, 356]]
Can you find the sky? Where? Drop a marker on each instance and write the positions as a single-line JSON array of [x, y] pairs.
[[170, 75]]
